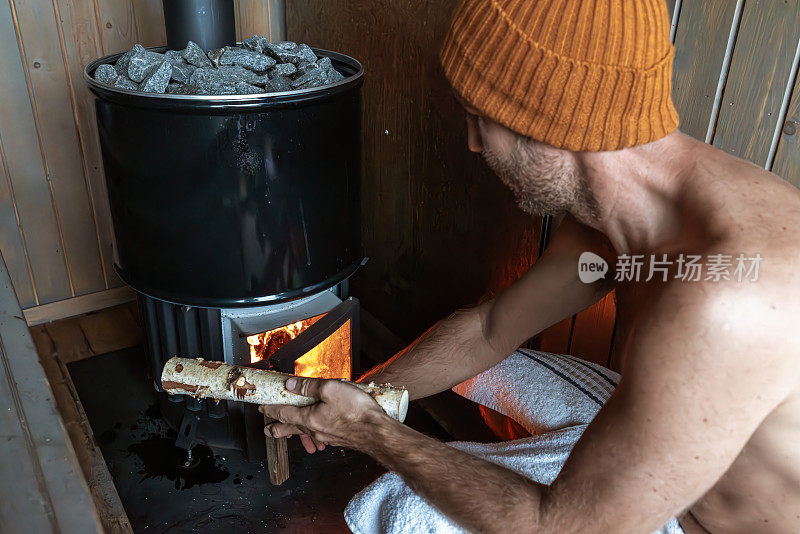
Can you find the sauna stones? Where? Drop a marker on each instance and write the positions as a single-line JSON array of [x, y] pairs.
[[106, 74], [247, 59], [257, 66], [194, 55], [157, 78]]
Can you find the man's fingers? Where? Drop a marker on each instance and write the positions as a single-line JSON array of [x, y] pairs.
[[291, 430], [280, 430], [282, 413], [326, 390], [310, 444], [307, 387]]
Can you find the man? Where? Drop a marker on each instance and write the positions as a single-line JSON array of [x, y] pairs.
[[569, 103]]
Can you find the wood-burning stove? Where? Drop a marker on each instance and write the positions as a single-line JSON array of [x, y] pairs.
[[235, 216]]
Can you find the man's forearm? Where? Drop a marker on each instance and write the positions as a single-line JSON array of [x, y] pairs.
[[453, 350], [458, 483]]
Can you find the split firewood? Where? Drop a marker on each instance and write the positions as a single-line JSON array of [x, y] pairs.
[[221, 381]]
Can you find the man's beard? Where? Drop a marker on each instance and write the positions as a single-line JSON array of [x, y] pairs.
[[542, 184]]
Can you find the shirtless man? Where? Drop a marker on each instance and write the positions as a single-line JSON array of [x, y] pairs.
[[706, 417]]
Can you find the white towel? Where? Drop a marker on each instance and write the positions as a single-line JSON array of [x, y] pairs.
[[553, 396]]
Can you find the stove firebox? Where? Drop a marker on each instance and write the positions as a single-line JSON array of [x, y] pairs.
[[315, 336]]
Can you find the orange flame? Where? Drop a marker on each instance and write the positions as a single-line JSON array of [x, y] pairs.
[[329, 359]]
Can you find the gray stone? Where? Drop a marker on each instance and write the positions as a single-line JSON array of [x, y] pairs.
[[142, 61], [305, 66], [278, 84], [121, 66], [324, 63], [194, 55], [240, 74], [182, 72], [243, 88], [106, 74], [331, 73], [247, 59], [311, 78], [282, 69], [174, 55], [334, 76], [223, 81], [256, 43], [282, 55], [286, 45], [157, 78], [215, 55], [305, 51], [123, 82]]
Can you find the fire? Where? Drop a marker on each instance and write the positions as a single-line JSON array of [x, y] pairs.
[[329, 359], [265, 344]]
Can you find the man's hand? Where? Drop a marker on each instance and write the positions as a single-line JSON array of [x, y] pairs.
[[344, 416]]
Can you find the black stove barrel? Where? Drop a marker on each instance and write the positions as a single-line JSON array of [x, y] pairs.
[[226, 201], [209, 23]]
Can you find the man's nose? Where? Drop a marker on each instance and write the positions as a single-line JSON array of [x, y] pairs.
[[474, 140]]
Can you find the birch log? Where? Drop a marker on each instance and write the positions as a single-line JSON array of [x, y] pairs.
[[222, 381]]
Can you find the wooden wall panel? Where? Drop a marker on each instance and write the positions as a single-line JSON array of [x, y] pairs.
[[149, 15], [55, 114], [259, 17], [82, 44], [117, 24], [760, 70], [787, 157], [700, 43], [27, 177], [12, 241], [440, 229]]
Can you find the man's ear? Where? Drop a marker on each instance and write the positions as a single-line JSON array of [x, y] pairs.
[[474, 136]]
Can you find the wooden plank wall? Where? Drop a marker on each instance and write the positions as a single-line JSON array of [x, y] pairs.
[[438, 228], [55, 226]]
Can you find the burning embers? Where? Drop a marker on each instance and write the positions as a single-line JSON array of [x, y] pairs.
[[329, 359], [265, 344]]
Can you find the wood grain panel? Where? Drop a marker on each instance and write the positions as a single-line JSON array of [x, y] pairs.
[[82, 45], [253, 17], [592, 333], [787, 157], [50, 85], [24, 165], [439, 228], [149, 15], [117, 25], [700, 44], [12, 241], [759, 73]]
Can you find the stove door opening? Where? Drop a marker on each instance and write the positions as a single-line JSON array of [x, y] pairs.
[[322, 346]]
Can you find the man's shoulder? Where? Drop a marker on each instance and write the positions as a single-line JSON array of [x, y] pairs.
[[727, 321]]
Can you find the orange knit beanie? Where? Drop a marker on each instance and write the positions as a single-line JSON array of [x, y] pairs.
[[575, 74]]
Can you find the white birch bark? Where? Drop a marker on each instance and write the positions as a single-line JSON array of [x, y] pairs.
[[219, 380]]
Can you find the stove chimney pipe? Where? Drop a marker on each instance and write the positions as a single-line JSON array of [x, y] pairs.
[[209, 23]]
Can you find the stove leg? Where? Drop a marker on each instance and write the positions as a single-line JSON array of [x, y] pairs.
[[277, 458]]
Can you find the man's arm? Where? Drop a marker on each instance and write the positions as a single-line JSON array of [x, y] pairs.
[[693, 393], [472, 340]]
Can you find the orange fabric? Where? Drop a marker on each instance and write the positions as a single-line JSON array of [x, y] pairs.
[[576, 74]]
